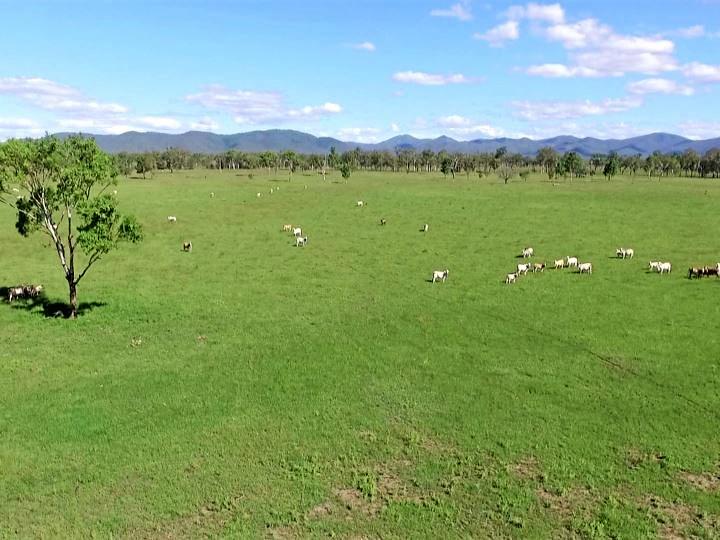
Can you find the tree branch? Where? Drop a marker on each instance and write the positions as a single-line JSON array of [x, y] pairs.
[[95, 257]]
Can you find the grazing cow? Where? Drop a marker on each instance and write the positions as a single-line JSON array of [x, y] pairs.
[[523, 268], [187, 246], [259, 194], [620, 253], [33, 291], [440, 275], [297, 231], [271, 191], [16, 292], [287, 227], [425, 228], [212, 194], [301, 241], [361, 204], [559, 263], [383, 221], [511, 278], [528, 252], [538, 267], [712, 271], [695, 272], [629, 252], [172, 219], [664, 267], [585, 267], [571, 261], [654, 265]]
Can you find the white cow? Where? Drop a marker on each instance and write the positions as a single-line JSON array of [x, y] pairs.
[[523, 268], [259, 194], [297, 231], [585, 267], [301, 241], [511, 278], [622, 252], [361, 204], [559, 263], [571, 261], [426, 228], [171, 219], [212, 194], [440, 275], [528, 252], [654, 265], [16, 292], [664, 267]]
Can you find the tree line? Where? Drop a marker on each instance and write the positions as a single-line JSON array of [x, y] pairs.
[[501, 162]]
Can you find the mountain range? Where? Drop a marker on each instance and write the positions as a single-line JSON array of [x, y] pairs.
[[304, 143]]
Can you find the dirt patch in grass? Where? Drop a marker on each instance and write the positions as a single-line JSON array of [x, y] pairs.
[[210, 518], [677, 520], [282, 533], [704, 482], [527, 469], [636, 458], [569, 503], [321, 510]]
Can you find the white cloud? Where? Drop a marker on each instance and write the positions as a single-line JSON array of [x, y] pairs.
[[498, 35], [430, 79], [460, 11], [699, 130], [359, 134], [453, 121], [205, 124], [364, 46], [552, 13], [159, 122], [320, 110], [19, 127], [562, 71], [690, 32], [596, 50], [702, 73], [252, 107], [562, 110], [54, 96], [394, 128], [660, 86], [462, 127]]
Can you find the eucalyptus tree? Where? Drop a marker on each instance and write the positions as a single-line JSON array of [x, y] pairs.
[[64, 194]]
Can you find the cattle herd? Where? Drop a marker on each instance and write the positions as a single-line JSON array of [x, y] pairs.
[[660, 267], [23, 291], [522, 269]]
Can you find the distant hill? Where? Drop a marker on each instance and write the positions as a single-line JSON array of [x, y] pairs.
[[285, 139]]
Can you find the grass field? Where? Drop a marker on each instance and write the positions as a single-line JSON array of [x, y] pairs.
[[254, 389]]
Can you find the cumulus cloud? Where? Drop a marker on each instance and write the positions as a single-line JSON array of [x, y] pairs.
[[19, 127], [690, 32], [364, 46], [562, 110], [552, 13], [205, 124], [596, 49], [498, 35], [562, 71], [702, 73], [460, 11], [54, 96], [253, 107], [120, 124], [462, 127], [359, 134], [660, 86], [430, 79], [394, 128], [699, 130]]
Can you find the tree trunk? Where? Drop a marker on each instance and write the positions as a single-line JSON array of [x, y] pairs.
[[73, 299]]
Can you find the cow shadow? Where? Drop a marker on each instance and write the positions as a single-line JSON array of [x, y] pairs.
[[42, 305]]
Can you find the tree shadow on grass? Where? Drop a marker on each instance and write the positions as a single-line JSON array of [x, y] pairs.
[[43, 306]]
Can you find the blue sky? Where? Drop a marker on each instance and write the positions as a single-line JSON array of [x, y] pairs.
[[363, 70]]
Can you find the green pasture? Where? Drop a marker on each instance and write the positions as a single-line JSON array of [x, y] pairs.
[[258, 390]]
